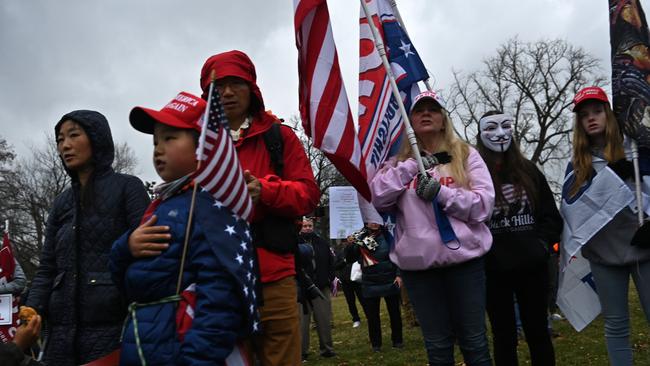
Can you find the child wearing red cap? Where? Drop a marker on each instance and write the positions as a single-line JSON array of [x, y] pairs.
[[217, 307], [598, 208]]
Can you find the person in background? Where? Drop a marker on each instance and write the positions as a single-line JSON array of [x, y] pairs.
[[319, 307], [601, 163], [18, 282], [440, 234], [351, 289], [525, 223], [379, 279]]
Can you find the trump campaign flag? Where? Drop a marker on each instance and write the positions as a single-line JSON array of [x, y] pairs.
[[380, 121], [324, 107], [7, 267]]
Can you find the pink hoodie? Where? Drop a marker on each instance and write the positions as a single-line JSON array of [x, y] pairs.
[[418, 245]]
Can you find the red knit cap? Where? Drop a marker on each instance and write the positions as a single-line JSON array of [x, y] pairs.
[[231, 63]]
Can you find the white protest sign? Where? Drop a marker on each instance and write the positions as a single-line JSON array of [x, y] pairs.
[[345, 217], [6, 309]]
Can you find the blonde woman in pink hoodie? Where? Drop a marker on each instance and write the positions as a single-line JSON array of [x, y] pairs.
[[440, 234]]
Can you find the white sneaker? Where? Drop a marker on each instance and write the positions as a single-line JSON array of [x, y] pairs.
[[556, 316], [356, 324]]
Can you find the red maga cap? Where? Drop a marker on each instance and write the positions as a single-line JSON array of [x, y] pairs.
[[184, 111], [589, 93]]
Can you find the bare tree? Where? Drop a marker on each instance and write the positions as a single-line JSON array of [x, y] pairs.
[[28, 190], [28, 196], [535, 83], [125, 160], [325, 173]]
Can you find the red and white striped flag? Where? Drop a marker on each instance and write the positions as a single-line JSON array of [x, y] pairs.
[[324, 106], [220, 172]]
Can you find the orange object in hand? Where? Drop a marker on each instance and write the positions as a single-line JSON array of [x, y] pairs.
[[26, 314]]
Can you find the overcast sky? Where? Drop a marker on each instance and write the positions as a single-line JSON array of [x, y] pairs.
[[58, 56]]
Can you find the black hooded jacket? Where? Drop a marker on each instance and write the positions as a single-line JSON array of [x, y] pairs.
[[323, 273], [72, 289]]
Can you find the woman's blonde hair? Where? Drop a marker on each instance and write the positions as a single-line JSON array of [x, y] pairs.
[[458, 149], [581, 159]]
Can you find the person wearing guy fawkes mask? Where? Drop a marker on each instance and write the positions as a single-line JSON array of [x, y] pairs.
[[524, 225]]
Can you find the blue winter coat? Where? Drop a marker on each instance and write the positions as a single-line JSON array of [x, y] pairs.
[[218, 261]]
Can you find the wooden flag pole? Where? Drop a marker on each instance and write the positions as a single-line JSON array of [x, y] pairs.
[[190, 216], [379, 45]]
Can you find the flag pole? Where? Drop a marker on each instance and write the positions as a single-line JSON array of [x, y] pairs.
[[393, 4], [190, 215], [637, 181], [379, 45], [7, 226]]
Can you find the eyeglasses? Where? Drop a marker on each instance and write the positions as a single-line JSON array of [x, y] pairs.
[[234, 85]]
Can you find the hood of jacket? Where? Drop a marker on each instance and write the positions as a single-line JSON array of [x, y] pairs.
[[101, 140]]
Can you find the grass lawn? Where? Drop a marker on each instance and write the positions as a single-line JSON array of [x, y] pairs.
[[571, 348]]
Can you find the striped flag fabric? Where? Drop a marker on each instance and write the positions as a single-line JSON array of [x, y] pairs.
[[324, 106], [220, 172]]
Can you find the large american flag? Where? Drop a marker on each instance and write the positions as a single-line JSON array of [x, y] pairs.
[[324, 106], [220, 172]]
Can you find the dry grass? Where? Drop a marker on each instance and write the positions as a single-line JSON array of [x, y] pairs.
[[572, 348]]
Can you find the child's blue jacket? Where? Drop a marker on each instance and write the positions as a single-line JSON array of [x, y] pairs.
[[219, 261]]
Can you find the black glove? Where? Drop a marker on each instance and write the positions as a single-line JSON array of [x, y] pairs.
[[623, 168], [427, 188], [641, 238], [429, 161]]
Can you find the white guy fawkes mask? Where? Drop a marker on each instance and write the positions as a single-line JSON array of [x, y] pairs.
[[496, 132]]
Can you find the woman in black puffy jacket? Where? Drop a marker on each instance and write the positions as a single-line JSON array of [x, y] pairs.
[[72, 288]]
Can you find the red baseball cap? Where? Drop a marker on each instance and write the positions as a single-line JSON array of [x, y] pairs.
[[428, 95], [184, 111], [589, 93]]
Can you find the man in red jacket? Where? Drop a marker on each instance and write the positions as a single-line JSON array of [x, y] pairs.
[[289, 196]]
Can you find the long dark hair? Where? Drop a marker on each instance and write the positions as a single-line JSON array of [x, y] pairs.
[[514, 168]]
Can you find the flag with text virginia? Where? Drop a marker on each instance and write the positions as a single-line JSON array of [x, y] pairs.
[[7, 268], [324, 106], [380, 121], [220, 172]]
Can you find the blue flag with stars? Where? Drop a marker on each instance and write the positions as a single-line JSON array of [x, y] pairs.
[[404, 59], [231, 236]]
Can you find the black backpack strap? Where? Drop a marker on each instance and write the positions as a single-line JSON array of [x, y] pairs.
[[275, 146]]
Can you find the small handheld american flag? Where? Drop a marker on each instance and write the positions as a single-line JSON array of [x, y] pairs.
[[219, 171]]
